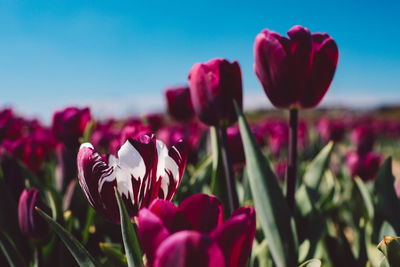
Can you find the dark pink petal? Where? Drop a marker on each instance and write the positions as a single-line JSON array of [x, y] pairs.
[[324, 60], [272, 66], [235, 237], [151, 232], [31, 224], [189, 249], [203, 212], [165, 210]]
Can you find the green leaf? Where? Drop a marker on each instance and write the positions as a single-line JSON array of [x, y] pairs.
[[315, 171], [81, 255], [366, 196], [271, 207], [9, 250], [116, 257], [131, 242], [387, 203], [312, 263], [89, 222]]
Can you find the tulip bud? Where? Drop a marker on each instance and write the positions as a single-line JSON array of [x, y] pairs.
[[179, 104], [30, 222], [213, 87], [295, 72]]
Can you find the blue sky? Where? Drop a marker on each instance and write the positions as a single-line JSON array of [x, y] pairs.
[[118, 57]]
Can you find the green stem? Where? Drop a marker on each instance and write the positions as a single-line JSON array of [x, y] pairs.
[[228, 169], [292, 161]]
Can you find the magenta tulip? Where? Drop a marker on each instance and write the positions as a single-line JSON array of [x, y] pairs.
[[143, 171], [194, 234], [366, 166], [30, 222], [295, 72], [363, 137], [213, 87], [69, 125], [330, 130], [179, 104]]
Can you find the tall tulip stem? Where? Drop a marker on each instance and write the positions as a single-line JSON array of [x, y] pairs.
[[228, 169], [292, 161]]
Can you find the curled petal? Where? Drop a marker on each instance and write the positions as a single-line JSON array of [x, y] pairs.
[[91, 170], [189, 249], [204, 213], [236, 235], [151, 232], [170, 168]]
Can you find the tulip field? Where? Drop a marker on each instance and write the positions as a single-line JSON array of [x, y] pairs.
[[207, 183]]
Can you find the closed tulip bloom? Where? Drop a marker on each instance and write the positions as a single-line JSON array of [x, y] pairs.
[[363, 137], [194, 234], [366, 166], [144, 170], [69, 124], [213, 87], [295, 72], [179, 104], [30, 222]]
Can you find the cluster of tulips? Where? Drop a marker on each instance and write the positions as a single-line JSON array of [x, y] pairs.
[[203, 185]]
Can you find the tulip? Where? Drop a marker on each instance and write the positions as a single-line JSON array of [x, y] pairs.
[[194, 234], [179, 104], [213, 87], [295, 72], [154, 120], [32, 150], [30, 222], [69, 125], [366, 166], [144, 170], [363, 137], [330, 130]]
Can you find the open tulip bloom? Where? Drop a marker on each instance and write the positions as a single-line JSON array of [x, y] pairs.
[[195, 234], [144, 170]]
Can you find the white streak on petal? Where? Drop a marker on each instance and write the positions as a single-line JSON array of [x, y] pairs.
[[88, 145], [165, 162], [131, 165]]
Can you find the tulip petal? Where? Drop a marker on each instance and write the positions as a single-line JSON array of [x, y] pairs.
[[236, 235], [204, 212], [170, 168], [165, 210], [91, 169], [189, 248], [271, 66], [151, 232], [324, 60]]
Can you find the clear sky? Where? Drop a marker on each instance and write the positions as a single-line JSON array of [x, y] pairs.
[[119, 56]]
